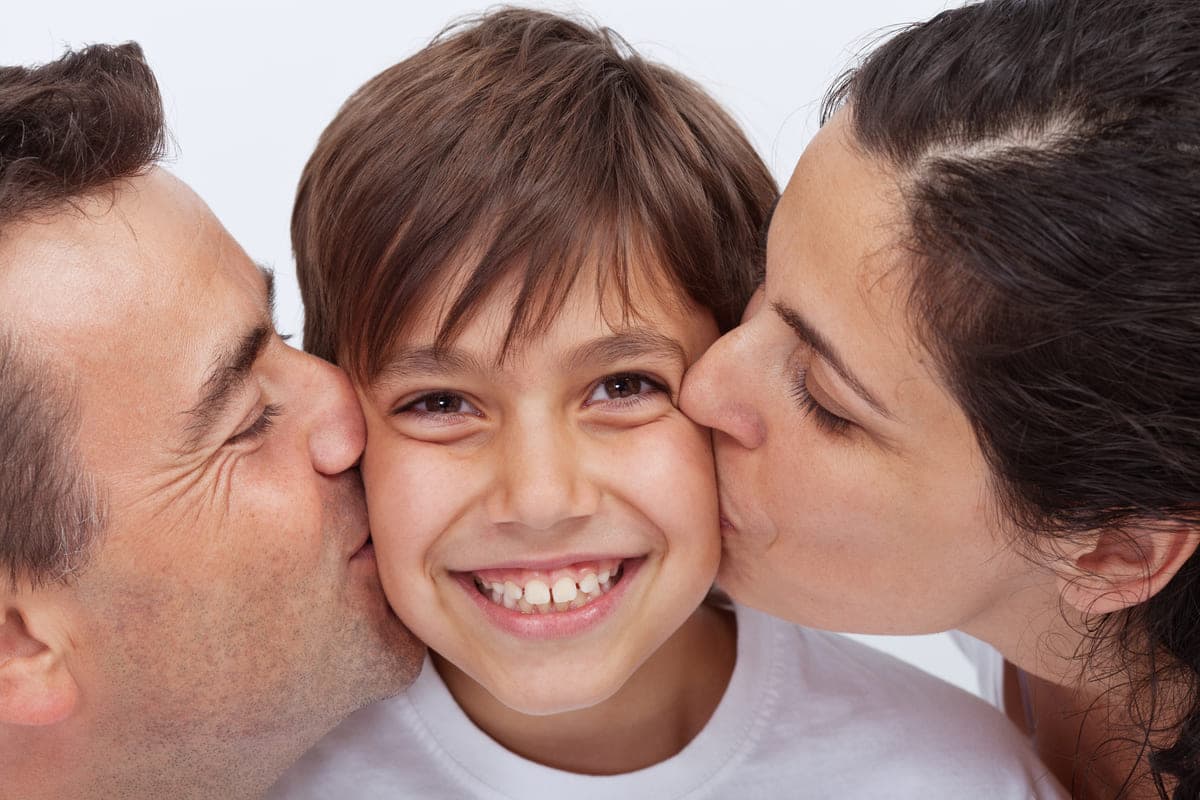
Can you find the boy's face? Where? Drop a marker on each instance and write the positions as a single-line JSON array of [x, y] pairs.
[[547, 521]]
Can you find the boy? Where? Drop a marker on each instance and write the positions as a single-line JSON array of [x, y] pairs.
[[516, 241]]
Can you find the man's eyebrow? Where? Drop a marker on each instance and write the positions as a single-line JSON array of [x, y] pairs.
[[627, 345], [269, 279], [230, 367], [227, 375], [822, 346]]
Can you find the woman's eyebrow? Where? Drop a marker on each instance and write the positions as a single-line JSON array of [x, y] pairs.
[[808, 334]]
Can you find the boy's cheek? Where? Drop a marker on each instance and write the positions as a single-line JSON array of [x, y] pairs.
[[668, 476], [409, 494]]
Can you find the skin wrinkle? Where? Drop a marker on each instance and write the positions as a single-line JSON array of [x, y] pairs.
[[228, 378]]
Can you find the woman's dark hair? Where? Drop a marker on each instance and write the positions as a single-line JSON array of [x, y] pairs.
[[1048, 152], [521, 143]]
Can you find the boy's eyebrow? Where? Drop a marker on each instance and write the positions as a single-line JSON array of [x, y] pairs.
[[428, 359], [628, 344], [620, 346]]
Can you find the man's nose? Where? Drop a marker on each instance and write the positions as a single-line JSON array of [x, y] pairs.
[[337, 431]]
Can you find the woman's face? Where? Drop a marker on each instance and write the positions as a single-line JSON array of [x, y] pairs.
[[853, 493]]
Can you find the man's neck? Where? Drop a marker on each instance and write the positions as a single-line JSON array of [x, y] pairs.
[[658, 711], [56, 762]]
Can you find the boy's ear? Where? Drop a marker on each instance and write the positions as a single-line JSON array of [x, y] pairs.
[[1116, 569], [36, 687]]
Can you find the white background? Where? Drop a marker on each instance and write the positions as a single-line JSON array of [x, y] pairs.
[[249, 86]]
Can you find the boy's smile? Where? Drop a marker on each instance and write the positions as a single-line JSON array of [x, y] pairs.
[[545, 518], [549, 587], [553, 602]]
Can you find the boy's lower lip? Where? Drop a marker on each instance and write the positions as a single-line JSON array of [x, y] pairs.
[[558, 624]]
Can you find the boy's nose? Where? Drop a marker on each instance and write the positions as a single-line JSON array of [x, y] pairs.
[[719, 390], [543, 481]]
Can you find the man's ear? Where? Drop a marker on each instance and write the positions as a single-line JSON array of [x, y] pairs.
[[36, 687], [1117, 569]]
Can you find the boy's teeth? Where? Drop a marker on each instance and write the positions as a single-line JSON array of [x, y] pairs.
[[537, 593], [564, 590], [539, 597]]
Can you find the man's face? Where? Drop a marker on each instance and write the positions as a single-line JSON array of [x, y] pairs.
[[232, 603]]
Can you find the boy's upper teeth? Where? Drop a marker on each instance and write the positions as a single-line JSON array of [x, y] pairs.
[[541, 593], [564, 590], [536, 593]]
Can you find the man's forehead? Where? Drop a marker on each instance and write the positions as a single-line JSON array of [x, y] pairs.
[[133, 292], [108, 258]]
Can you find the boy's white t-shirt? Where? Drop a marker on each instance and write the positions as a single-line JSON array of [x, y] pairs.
[[807, 714]]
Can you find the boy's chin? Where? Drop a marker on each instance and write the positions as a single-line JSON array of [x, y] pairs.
[[548, 700]]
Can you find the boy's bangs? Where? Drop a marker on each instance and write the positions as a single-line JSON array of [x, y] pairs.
[[547, 262]]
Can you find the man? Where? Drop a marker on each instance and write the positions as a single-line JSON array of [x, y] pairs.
[[188, 595]]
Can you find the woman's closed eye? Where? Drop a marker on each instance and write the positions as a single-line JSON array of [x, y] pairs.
[[826, 420]]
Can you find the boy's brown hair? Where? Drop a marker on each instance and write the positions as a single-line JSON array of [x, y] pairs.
[[520, 139]]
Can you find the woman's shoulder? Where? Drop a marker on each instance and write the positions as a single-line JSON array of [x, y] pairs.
[[835, 665], [903, 726]]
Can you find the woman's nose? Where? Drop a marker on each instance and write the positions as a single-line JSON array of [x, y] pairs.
[[719, 391]]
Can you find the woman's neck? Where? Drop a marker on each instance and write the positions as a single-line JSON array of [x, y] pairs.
[[1079, 706], [1084, 735], [661, 708]]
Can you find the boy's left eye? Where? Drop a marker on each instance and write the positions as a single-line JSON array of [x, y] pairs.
[[623, 386], [439, 404]]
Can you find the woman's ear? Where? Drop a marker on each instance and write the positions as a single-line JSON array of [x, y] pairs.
[[1116, 569], [36, 687]]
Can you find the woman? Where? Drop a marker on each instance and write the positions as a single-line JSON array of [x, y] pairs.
[[968, 393]]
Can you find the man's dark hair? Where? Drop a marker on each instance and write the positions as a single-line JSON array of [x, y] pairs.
[[68, 129], [527, 144], [1049, 155]]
